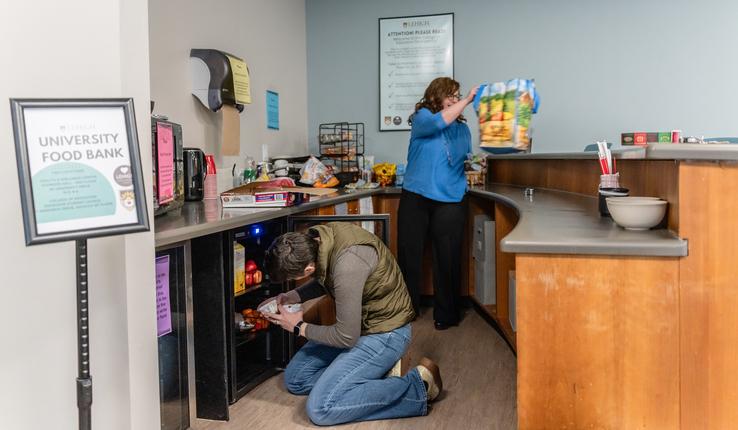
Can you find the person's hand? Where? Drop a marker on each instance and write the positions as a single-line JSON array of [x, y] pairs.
[[284, 319], [472, 93], [282, 299]]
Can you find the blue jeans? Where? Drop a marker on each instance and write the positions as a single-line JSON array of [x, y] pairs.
[[348, 385]]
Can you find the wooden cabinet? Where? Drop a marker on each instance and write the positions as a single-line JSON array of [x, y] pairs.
[[505, 219], [598, 342]]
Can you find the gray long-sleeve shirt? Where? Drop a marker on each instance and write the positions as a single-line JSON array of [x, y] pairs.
[[351, 270]]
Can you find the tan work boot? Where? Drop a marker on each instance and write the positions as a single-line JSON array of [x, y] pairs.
[[396, 370], [431, 375]]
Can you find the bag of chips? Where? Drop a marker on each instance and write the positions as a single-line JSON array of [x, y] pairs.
[[505, 110]]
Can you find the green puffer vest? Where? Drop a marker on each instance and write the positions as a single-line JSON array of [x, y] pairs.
[[385, 303]]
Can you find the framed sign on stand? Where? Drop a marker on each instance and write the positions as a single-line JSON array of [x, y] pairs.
[[413, 51], [79, 171]]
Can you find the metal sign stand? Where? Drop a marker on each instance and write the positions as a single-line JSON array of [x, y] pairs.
[[33, 156], [84, 380]]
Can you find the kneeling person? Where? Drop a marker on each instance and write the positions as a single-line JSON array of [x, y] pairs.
[[343, 367]]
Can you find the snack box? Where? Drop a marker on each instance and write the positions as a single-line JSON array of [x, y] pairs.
[[239, 268], [271, 307], [665, 137]]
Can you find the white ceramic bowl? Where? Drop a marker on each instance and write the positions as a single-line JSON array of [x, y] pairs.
[[636, 214], [631, 200]]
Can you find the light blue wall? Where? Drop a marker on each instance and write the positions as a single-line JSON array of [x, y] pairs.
[[601, 67]]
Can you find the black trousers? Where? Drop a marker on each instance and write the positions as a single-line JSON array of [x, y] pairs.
[[445, 221]]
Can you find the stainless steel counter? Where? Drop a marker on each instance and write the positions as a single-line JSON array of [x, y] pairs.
[[654, 151], [557, 222], [208, 216]]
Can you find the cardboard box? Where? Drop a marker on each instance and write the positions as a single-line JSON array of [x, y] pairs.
[[239, 268], [640, 138], [665, 137], [626, 138], [254, 196]]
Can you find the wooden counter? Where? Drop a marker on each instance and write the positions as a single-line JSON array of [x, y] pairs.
[[622, 342]]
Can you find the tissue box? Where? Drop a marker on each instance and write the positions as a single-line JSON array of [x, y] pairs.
[[249, 196]]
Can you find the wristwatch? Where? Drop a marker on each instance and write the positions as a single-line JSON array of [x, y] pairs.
[[296, 330]]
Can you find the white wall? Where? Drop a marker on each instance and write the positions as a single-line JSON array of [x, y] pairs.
[[269, 35], [75, 48], [601, 67]]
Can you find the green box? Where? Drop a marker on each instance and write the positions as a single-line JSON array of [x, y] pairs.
[[665, 137]]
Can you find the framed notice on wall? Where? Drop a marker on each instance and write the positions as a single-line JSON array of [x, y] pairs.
[[413, 51], [79, 168]]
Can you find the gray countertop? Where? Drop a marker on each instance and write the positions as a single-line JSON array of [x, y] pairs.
[[552, 222], [654, 151], [558, 222]]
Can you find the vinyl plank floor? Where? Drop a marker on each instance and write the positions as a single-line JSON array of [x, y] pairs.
[[479, 376]]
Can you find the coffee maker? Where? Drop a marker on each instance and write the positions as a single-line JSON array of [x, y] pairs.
[[194, 174]]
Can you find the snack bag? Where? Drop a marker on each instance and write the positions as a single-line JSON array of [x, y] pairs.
[[505, 110], [312, 171]]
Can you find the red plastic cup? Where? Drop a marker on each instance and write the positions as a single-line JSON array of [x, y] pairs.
[[209, 164], [675, 136]]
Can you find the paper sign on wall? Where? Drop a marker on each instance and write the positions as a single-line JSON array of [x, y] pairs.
[[272, 110], [413, 51], [163, 305], [241, 82]]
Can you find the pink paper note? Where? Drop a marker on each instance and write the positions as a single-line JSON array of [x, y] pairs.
[[163, 306], [165, 161]]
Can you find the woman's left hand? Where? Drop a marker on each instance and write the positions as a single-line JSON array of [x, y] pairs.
[[472, 93], [284, 319]]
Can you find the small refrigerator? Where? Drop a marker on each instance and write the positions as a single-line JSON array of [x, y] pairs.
[[256, 350]]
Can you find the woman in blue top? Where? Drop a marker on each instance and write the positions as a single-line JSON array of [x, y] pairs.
[[433, 196]]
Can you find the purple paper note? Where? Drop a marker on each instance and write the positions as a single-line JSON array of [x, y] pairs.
[[163, 310]]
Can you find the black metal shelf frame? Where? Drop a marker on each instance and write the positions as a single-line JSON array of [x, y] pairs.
[[342, 145]]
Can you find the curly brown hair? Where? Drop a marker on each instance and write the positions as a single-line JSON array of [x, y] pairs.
[[437, 91]]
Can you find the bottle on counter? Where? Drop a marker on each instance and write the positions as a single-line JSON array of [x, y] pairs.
[[211, 180], [400, 175], [249, 172]]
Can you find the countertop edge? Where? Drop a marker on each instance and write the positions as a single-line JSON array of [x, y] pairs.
[[632, 250]]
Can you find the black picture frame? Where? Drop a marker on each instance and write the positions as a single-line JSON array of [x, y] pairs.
[[379, 62], [19, 108]]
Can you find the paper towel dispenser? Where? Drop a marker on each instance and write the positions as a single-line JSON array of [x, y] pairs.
[[219, 78]]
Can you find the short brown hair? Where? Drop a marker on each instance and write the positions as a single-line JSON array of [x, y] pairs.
[[289, 255], [437, 91]]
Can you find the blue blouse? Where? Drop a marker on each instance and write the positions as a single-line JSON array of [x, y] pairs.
[[435, 158]]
